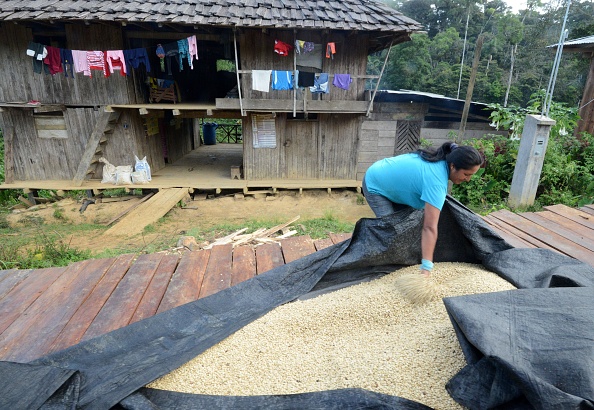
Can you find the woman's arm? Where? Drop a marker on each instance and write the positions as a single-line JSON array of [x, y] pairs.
[[429, 234]]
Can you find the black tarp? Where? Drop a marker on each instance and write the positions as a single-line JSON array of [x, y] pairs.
[[527, 348]]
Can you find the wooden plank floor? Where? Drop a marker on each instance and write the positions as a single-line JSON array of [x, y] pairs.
[[46, 310]]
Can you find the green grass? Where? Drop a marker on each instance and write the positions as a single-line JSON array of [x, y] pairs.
[[35, 244]]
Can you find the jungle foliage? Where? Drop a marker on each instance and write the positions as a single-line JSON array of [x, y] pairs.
[[431, 62]]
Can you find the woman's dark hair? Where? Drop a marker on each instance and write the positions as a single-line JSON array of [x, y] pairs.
[[461, 156]]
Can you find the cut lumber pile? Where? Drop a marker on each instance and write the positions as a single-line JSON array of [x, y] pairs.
[[258, 237]]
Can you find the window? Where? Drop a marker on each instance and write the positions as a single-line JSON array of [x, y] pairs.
[[51, 126]]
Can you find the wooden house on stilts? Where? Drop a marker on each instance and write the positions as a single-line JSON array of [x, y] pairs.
[[66, 100]]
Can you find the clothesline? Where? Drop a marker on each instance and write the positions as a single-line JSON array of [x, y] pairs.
[[329, 75], [55, 60]]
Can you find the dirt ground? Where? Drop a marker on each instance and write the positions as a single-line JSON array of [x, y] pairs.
[[344, 205]]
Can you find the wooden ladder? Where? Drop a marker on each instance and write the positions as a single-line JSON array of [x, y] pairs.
[[94, 148]]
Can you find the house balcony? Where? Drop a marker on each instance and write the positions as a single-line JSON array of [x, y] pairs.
[[356, 100]]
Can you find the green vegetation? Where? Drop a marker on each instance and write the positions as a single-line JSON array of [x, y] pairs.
[[431, 62], [41, 251], [567, 176]]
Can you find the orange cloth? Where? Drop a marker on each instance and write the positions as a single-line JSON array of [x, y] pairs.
[[330, 50]]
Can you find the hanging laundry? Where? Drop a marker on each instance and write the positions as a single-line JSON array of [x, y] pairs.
[[261, 80], [311, 59], [342, 81], [282, 80], [171, 52], [330, 50], [116, 61], [193, 48], [308, 47], [184, 52], [96, 61], [81, 64], [38, 52], [161, 54], [282, 48], [136, 56], [320, 84], [53, 60], [67, 60], [306, 79], [299, 45]]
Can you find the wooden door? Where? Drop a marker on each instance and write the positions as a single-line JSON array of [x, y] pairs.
[[300, 144]]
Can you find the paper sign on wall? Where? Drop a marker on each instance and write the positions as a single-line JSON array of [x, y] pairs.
[[264, 131]]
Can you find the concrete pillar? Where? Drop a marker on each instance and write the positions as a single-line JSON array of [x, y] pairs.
[[533, 147]]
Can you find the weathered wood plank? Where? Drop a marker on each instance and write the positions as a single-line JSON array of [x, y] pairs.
[[153, 296], [25, 293], [218, 272], [576, 215], [119, 308], [551, 238], [11, 280], [500, 228], [508, 226], [297, 247], [268, 256], [244, 264], [76, 327], [148, 212], [26, 337], [323, 243], [339, 237], [567, 228], [589, 209], [7, 273], [186, 281]]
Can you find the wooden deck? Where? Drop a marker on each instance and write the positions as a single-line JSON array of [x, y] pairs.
[[206, 168], [46, 310]]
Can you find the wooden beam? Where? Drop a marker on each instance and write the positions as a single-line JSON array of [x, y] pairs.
[[8, 132], [92, 143]]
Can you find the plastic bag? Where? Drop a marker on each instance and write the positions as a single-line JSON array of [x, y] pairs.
[[139, 177], [143, 166], [109, 172], [124, 175]]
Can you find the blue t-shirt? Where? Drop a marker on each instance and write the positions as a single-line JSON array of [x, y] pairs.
[[410, 180]]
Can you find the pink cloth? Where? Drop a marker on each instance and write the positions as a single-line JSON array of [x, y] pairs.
[[81, 64], [96, 61], [193, 46], [116, 61]]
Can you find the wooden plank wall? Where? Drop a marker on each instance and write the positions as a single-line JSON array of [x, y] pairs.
[[262, 163], [257, 53], [18, 82], [338, 145], [379, 132]]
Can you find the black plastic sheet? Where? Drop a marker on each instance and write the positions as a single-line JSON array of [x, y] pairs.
[[530, 348]]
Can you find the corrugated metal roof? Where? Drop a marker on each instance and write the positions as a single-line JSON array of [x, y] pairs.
[[365, 15], [583, 41]]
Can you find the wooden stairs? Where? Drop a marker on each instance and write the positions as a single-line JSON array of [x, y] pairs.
[[94, 148]]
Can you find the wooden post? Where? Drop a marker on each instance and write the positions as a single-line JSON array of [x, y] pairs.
[[379, 79], [8, 132], [475, 63], [586, 122], [237, 72], [533, 147]]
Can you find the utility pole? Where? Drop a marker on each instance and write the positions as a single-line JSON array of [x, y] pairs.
[[475, 63]]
